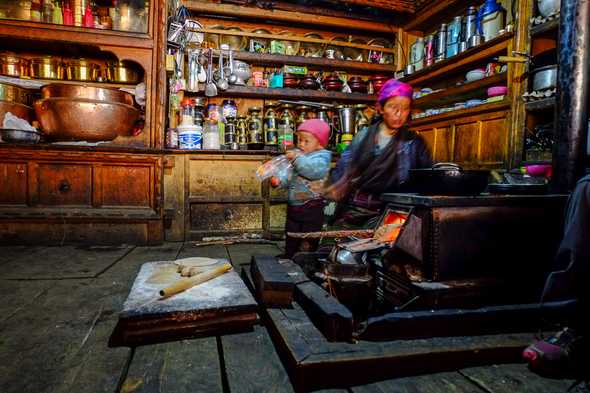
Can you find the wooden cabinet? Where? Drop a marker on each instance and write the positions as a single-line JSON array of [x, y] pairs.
[[48, 188], [217, 194]]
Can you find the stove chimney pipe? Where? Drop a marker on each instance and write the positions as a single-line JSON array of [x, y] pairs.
[[572, 95]]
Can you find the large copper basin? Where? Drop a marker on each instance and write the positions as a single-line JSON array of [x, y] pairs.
[[78, 119], [20, 110], [55, 90]]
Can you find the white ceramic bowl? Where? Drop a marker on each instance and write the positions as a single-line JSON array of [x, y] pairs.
[[475, 75]]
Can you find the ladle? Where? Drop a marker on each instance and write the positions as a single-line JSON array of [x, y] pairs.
[[233, 78], [210, 88], [222, 82]]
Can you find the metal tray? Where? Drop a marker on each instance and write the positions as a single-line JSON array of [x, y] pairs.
[[517, 189], [18, 136]]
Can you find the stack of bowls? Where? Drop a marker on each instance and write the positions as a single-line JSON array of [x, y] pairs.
[[85, 113]]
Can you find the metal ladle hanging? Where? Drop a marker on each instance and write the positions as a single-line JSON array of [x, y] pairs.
[[222, 83], [233, 78], [210, 88]]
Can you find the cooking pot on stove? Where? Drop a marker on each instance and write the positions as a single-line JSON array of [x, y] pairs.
[[447, 178]]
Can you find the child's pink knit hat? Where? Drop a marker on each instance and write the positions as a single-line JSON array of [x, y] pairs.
[[318, 128]]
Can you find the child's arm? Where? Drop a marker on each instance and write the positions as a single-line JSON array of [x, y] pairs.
[[313, 166]]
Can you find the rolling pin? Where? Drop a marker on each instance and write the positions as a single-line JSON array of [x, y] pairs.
[[190, 282]]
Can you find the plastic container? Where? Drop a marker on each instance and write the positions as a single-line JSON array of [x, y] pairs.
[[211, 139], [497, 91], [190, 137], [279, 167]]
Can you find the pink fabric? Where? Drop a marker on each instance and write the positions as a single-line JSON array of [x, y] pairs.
[[394, 88], [318, 128]]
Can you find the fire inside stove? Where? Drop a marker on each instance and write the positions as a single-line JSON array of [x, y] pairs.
[[390, 226]]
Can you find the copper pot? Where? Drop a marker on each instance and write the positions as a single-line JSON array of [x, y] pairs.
[[13, 93], [82, 70], [20, 110], [63, 90], [121, 72], [12, 65], [67, 119], [46, 68]]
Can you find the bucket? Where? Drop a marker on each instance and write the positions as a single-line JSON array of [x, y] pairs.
[[190, 137]]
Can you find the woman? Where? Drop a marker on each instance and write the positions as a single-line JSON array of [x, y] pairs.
[[378, 160]]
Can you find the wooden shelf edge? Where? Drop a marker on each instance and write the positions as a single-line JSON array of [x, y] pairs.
[[550, 26], [41, 82], [423, 17], [288, 93], [472, 55], [72, 34], [272, 59], [458, 92], [540, 105], [483, 108]]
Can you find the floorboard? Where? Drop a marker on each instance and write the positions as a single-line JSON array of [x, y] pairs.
[[512, 378], [179, 367], [252, 363], [451, 382], [63, 262], [242, 253]]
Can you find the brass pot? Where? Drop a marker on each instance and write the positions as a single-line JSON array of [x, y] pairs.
[[46, 67], [82, 70], [12, 65], [121, 72], [56, 90], [20, 110], [13, 93], [78, 119]]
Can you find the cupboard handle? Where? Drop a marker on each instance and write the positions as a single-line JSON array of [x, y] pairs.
[[64, 186]]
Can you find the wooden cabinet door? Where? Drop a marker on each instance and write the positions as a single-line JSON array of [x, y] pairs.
[[13, 183], [125, 185], [64, 184]]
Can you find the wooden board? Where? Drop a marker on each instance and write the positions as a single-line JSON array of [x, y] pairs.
[[223, 303], [183, 366], [451, 382], [510, 378], [64, 262], [252, 363], [315, 363], [274, 286]]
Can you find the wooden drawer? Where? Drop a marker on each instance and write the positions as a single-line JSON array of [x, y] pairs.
[[63, 184], [13, 183], [125, 186], [226, 217]]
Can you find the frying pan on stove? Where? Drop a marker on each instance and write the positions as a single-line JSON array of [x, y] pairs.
[[447, 178]]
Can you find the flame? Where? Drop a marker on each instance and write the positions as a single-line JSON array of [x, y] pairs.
[[390, 227]]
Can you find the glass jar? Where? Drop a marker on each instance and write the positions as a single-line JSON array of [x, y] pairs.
[[186, 113], [229, 110], [211, 137], [212, 113], [270, 125], [302, 115], [255, 137], [242, 130]]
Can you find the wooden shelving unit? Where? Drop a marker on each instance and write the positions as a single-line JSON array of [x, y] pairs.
[[550, 27], [540, 105], [286, 93], [492, 107], [313, 62], [461, 61], [71, 34], [463, 92], [438, 10], [25, 83]]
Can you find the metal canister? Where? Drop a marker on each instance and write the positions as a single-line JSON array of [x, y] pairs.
[[231, 137], [441, 43], [429, 50], [255, 137], [453, 36], [301, 116], [270, 125], [242, 130]]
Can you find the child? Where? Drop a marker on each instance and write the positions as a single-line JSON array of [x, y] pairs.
[[311, 164]]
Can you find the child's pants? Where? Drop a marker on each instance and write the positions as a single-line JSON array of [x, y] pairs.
[[308, 217]]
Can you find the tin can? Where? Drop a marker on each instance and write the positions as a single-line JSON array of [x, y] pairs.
[[172, 138], [441, 43], [429, 50]]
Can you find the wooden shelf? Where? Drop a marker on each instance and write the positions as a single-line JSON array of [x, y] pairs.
[[439, 11], [313, 62], [27, 83], [460, 93], [540, 105], [460, 61], [286, 93], [492, 107], [80, 35], [550, 27]]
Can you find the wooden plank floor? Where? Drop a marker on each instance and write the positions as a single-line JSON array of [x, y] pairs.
[[59, 306]]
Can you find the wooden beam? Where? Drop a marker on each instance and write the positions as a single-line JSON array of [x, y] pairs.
[[207, 8], [389, 5], [435, 10]]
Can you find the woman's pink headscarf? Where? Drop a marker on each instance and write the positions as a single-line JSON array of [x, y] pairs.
[[394, 88]]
